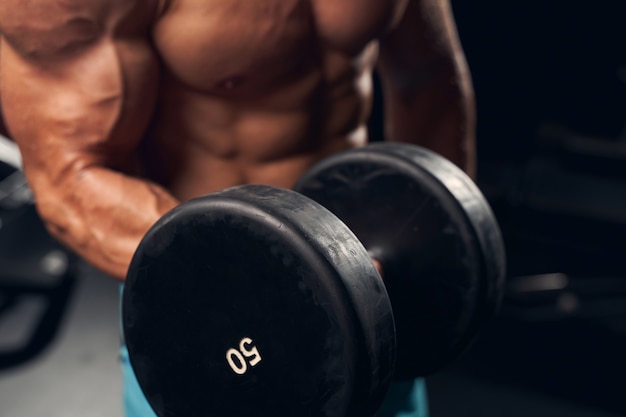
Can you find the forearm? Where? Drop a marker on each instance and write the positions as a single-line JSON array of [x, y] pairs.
[[101, 214], [78, 94], [428, 92], [439, 115], [3, 127]]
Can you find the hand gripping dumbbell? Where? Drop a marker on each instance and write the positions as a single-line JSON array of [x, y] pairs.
[[264, 301]]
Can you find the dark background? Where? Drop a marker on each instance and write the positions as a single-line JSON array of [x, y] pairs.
[[538, 62], [550, 81]]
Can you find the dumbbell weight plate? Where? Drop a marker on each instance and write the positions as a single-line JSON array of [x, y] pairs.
[[435, 236], [257, 301]]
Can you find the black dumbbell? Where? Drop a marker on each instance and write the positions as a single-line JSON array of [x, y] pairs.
[[260, 301]]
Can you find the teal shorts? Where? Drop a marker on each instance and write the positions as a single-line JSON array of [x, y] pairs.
[[405, 399]]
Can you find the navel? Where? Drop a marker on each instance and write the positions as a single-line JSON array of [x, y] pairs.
[[231, 83]]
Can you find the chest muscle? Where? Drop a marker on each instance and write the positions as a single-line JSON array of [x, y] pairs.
[[217, 45]]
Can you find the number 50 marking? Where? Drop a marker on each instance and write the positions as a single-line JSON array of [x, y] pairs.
[[237, 358]]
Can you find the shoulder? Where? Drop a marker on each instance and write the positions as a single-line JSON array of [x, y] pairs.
[[38, 28]]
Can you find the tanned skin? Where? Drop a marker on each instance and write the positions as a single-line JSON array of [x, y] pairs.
[[3, 128], [123, 109]]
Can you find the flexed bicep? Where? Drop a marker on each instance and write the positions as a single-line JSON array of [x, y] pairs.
[[78, 92], [88, 80]]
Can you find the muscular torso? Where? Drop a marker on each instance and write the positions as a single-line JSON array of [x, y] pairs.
[[257, 91], [124, 108]]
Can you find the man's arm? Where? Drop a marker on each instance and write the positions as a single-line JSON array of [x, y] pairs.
[[3, 126], [79, 84], [428, 93]]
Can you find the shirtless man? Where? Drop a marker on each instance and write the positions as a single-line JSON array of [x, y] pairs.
[[124, 108]]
